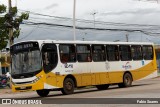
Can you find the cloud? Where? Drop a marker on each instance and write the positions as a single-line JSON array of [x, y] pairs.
[[133, 12], [118, 11], [51, 6]]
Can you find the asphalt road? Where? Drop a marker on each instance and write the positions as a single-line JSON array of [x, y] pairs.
[[139, 95]]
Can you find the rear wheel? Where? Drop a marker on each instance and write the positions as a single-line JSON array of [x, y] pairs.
[[102, 87], [43, 93], [68, 86], [127, 81]]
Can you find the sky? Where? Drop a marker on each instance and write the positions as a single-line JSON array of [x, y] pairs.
[[110, 14]]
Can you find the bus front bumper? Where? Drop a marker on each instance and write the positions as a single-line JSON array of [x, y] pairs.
[[38, 85]]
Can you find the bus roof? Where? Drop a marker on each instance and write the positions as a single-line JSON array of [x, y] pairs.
[[86, 42]]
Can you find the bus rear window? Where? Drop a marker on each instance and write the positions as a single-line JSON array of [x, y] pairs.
[[148, 52]]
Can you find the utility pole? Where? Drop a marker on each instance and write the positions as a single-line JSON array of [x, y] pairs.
[[94, 13], [11, 39], [74, 20], [0, 62], [127, 37]]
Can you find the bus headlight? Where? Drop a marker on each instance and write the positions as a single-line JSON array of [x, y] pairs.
[[38, 78]]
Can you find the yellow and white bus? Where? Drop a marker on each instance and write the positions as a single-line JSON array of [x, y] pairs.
[[47, 65]]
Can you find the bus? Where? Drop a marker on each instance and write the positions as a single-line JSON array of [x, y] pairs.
[[49, 65]]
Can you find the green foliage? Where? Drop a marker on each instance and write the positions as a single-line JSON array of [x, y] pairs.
[[7, 22], [16, 33], [3, 38], [3, 44], [14, 11], [2, 8], [2, 19], [3, 31], [25, 16]]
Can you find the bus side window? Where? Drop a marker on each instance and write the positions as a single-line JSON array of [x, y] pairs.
[[136, 51], [67, 53], [84, 53], [125, 52], [112, 52], [64, 58], [98, 53]]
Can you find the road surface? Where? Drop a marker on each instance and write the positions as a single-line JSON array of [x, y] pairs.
[[141, 90]]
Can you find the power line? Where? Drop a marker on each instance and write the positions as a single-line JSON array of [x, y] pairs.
[[142, 27], [89, 28], [84, 28], [96, 22], [29, 33]]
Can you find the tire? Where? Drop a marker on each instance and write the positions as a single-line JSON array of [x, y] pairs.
[[127, 81], [102, 87], [68, 86], [43, 93]]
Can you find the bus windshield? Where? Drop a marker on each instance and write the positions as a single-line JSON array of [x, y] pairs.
[[26, 62], [26, 59]]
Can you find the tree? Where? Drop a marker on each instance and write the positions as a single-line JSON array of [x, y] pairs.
[[6, 22]]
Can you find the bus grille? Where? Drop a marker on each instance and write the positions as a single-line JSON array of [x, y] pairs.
[[28, 82], [26, 88]]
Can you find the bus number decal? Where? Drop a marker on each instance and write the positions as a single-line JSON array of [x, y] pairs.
[[68, 65]]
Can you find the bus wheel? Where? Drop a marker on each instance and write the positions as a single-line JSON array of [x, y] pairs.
[[102, 87], [127, 81], [68, 86], [43, 93]]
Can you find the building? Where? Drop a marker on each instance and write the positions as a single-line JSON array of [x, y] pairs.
[[4, 62]]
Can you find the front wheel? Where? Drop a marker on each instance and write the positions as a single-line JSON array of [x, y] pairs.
[[43, 93], [68, 86], [127, 81]]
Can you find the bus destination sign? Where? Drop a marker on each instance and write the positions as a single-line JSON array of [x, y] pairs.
[[24, 46]]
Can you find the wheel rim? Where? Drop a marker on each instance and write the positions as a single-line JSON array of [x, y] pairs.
[[69, 86], [128, 80]]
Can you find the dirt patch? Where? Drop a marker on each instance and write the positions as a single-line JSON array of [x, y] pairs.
[[5, 91]]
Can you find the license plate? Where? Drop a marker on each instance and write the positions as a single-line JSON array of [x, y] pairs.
[[23, 87]]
